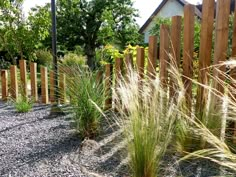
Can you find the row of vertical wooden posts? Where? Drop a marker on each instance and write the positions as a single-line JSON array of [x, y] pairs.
[[21, 85], [169, 54]]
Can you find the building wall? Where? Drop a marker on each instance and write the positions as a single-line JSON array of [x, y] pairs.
[[171, 8]]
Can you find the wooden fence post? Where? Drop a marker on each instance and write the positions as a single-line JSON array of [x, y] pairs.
[[140, 62], [99, 77], [4, 77], [108, 85], [205, 53], [152, 57], [14, 83], [118, 70], [23, 77], [128, 64], [175, 47], [220, 55], [62, 87], [221, 41], [33, 78], [52, 87], [164, 54], [233, 70], [44, 84], [233, 74], [188, 49]]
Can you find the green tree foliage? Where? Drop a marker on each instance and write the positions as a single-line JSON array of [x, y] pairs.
[[21, 36], [94, 23]]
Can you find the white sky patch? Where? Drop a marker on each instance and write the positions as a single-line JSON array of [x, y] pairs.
[[145, 7]]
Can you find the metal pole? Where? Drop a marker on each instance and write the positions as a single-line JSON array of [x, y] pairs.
[[54, 49]]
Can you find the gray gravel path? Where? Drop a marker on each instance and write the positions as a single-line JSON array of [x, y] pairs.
[[33, 145]]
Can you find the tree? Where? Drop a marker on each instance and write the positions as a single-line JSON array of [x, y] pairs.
[[21, 36], [94, 23]]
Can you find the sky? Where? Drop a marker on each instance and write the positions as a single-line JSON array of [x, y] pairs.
[[145, 7]]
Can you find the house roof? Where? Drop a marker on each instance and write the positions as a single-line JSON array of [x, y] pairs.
[[182, 2], [232, 6], [198, 11]]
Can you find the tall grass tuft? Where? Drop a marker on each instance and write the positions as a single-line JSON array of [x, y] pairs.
[[213, 128], [84, 91], [148, 118], [23, 104]]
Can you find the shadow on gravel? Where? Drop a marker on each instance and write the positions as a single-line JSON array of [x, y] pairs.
[[49, 152], [25, 123], [3, 106], [41, 107]]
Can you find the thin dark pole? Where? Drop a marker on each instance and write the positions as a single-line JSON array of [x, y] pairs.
[[54, 48]]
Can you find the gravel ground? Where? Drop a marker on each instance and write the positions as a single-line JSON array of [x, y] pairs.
[[31, 144], [36, 145]]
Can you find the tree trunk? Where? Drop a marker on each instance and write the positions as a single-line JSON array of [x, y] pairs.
[[90, 52]]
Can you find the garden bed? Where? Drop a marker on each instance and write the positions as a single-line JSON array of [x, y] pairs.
[[35, 145]]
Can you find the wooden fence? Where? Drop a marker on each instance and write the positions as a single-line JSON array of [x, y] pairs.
[[169, 53], [18, 84]]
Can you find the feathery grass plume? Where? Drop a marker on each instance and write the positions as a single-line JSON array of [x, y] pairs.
[[84, 91], [184, 137], [148, 125]]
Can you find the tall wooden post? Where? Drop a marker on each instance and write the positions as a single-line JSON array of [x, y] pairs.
[[175, 47], [14, 83], [140, 62], [4, 77], [118, 69], [62, 87], [108, 85], [233, 74], [164, 54], [128, 64], [152, 57], [44, 84], [205, 53], [221, 41], [33, 78], [99, 77], [188, 49], [220, 55], [23, 77], [52, 87]]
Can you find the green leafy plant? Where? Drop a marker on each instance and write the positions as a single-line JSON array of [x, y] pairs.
[[84, 91]]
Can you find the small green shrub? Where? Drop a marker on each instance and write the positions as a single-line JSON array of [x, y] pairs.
[[73, 60], [84, 92], [23, 105], [44, 57]]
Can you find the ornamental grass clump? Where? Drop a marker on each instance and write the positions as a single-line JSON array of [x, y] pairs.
[[23, 104], [148, 117], [215, 126], [84, 91]]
